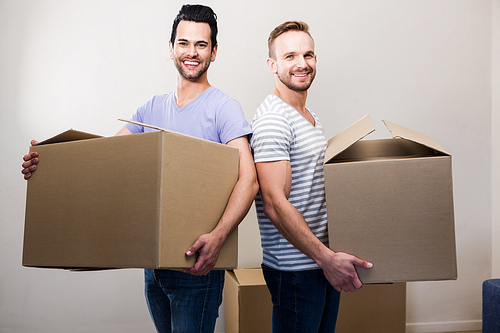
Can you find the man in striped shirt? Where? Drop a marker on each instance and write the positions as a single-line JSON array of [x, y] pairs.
[[303, 275]]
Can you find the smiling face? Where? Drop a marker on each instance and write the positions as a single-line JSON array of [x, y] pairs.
[[294, 61], [192, 51]]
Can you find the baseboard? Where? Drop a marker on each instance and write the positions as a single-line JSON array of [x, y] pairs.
[[448, 326]]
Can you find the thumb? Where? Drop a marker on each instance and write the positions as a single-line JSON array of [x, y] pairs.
[[363, 263], [194, 248]]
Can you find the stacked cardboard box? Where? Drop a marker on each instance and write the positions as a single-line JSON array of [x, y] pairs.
[[247, 302], [372, 309]]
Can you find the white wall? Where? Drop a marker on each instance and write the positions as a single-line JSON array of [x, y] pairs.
[[424, 64], [496, 139]]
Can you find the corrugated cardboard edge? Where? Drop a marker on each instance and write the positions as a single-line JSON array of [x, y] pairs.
[[159, 199], [348, 137], [143, 125], [168, 131], [70, 135], [401, 132], [232, 302], [249, 276]]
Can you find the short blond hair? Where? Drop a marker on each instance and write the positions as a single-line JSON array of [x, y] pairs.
[[281, 29]]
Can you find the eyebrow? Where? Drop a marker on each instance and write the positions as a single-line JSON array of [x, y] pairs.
[[197, 42], [311, 52]]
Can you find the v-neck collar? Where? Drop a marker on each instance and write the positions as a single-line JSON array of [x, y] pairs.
[[295, 110], [181, 109]]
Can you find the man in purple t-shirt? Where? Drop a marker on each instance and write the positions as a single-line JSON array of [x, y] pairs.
[[189, 301]]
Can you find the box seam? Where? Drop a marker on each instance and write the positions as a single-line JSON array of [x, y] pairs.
[[160, 201]]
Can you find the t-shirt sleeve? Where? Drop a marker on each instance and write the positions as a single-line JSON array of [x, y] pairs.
[[139, 117], [231, 122], [271, 139]]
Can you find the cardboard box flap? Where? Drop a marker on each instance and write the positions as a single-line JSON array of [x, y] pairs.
[[249, 276], [70, 135], [144, 125], [156, 128], [348, 137], [401, 132]]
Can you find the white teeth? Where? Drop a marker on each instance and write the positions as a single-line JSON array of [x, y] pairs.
[[193, 63], [300, 75]]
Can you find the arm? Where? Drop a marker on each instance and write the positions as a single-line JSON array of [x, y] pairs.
[[208, 245], [275, 179], [123, 131]]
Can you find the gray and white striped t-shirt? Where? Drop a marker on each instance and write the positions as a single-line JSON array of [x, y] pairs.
[[281, 133]]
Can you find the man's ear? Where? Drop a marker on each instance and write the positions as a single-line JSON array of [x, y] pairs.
[[214, 53], [171, 49], [271, 64]]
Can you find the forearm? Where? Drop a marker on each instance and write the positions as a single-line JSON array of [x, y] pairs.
[[237, 208], [124, 131], [243, 193], [292, 225]]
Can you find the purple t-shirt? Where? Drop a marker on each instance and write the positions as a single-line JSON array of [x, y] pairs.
[[211, 116]]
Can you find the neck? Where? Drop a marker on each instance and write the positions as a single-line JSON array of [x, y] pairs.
[[187, 90], [296, 99]]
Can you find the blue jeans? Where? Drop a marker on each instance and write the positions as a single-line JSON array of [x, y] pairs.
[[180, 302], [303, 301]]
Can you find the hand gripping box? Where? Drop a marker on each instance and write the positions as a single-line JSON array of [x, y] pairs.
[[390, 202], [133, 201]]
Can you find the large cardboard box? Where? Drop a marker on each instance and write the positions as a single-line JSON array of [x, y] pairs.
[[247, 302], [390, 202], [375, 308], [372, 309], [133, 201]]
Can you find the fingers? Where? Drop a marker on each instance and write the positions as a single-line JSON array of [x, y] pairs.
[[28, 172], [199, 267], [357, 283], [195, 247], [29, 166], [351, 285], [342, 274], [30, 156], [203, 266], [354, 283], [30, 162], [207, 255], [27, 175]]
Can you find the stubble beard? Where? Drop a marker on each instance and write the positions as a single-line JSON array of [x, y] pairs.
[[191, 75], [286, 79]]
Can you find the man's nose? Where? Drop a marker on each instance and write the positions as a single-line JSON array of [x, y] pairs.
[[192, 51], [301, 62]]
